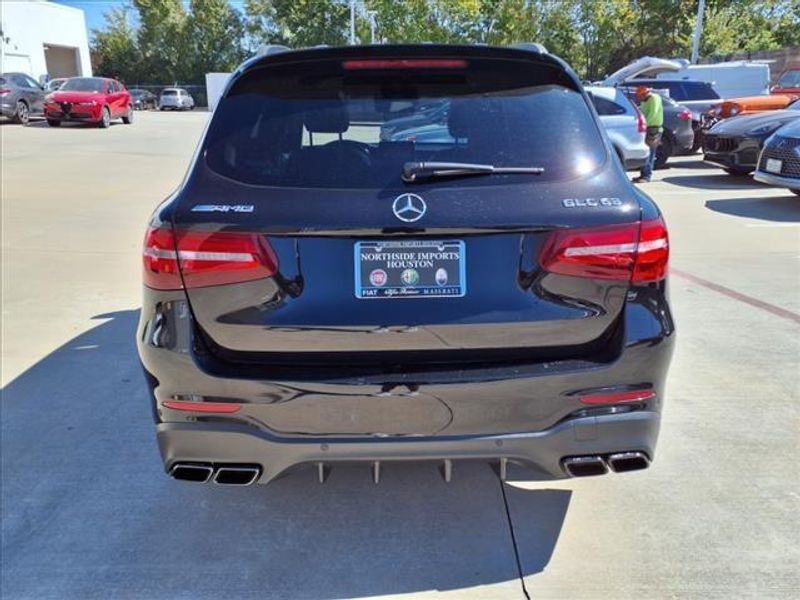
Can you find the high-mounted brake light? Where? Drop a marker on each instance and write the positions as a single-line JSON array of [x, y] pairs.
[[636, 252], [405, 63], [205, 258]]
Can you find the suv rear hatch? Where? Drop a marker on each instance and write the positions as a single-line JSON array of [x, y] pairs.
[[300, 242]]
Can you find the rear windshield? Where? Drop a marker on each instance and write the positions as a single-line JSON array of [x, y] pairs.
[[169, 93], [84, 84], [325, 125]]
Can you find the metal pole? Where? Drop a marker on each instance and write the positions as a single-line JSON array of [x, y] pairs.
[[698, 31], [352, 22], [372, 25]]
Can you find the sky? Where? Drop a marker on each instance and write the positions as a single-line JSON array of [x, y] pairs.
[[94, 9]]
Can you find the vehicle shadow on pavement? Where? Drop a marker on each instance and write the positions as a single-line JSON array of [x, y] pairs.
[[784, 209], [714, 182], [87, 511], [68, 125]]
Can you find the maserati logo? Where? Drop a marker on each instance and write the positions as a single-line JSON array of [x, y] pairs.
[[409, 207]]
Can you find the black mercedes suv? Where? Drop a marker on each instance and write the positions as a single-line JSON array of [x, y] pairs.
[[316, 295]]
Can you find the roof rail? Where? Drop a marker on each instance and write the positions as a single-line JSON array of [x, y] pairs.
[[269, 49], [531, 47]]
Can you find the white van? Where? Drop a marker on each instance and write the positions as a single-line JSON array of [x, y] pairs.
[[730, 79]]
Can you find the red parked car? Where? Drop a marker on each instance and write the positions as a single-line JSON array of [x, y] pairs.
[[789, 81], [89, 99]]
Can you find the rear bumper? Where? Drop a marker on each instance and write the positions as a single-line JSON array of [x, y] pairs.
[[684, 140], [530, 413], [541, 450], [8, 109]]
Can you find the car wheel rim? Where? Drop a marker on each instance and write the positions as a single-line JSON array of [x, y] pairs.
[[106, 117], [22, 112]]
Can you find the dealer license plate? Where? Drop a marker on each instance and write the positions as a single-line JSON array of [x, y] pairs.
[[774, 165], [410, 269]]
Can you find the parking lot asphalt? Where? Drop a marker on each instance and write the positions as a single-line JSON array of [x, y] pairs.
[[88, 513]]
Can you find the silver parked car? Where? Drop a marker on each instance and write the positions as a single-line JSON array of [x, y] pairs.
[[175, 99], [623, 122], [779, 163], [20, 97]]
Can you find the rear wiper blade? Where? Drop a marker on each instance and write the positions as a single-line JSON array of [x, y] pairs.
[[419, 171]]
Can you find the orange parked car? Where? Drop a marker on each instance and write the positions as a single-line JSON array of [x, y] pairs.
[[751, 104]]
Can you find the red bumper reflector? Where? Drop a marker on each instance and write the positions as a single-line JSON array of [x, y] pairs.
[[206, 407], [618, 397], [405, 63]]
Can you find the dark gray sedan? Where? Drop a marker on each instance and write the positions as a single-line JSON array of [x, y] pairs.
[[20, 97]]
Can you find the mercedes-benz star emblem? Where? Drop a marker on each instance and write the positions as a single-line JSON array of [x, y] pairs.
[[409, 207]]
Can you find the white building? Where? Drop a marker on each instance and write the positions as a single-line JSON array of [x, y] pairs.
[[43, 38]]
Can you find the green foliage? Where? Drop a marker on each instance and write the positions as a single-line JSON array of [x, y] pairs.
[[173, 42]]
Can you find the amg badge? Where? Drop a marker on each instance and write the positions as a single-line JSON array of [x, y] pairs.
[[223, 208]]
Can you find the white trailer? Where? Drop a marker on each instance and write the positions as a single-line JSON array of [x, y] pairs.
[[730, 79]]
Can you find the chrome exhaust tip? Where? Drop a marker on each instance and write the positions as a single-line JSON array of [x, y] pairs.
[[197, 473], [244, 475], [584, 466], [623, 462]]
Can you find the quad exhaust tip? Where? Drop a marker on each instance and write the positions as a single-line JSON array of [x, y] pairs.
[[620, 462], [623, 462], [585, 466], [191, 472], [245, 475], [222, 475]]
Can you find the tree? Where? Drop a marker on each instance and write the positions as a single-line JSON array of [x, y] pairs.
[[160, 38], [214, 40], [304, 23], [114, 47]]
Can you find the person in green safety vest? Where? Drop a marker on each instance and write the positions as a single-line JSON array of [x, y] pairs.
[[653, 110]]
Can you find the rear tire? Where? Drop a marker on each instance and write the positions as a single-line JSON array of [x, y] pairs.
[[23, 113], [105, 119], [128, 118], [664, 152], [54, 122]]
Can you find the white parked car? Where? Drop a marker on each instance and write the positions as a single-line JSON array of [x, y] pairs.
[[175, 99], [623, 122]]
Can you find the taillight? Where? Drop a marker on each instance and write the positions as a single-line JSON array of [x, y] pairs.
[[405, 63], [161, 260], [685, 115], [205, 258], [641, 124], [636, 252], [4, 91], [652, 252]]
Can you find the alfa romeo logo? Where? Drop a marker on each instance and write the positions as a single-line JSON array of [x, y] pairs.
[[409, 207]]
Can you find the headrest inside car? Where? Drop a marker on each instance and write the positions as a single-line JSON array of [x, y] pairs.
[[462, 115], [328, 117]]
